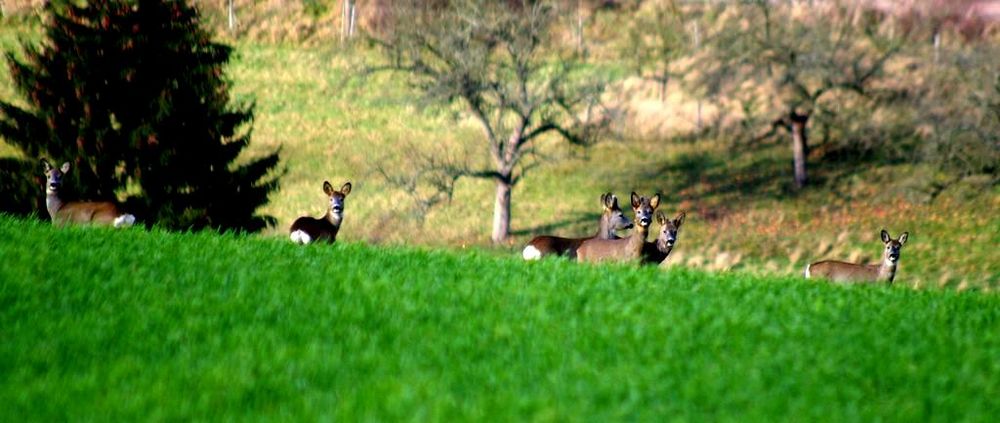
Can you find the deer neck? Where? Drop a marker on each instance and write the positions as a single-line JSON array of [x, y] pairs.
[[887, 270], [604, 230], [637, 240], [334, 219], [663, 248], [52, 203]]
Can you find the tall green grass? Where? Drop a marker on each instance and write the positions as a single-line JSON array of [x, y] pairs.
[[101, 324]]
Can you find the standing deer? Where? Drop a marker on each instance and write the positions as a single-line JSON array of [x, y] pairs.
[[612, 219], [656, 252], [839, 271], [626, 249], [307, 229], [92, 212]]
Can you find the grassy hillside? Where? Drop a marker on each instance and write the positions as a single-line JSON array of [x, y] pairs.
[[113, 325], [742, 213]]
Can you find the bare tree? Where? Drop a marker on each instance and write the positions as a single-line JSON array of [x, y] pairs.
[[802, 55], [654, 42], [495, 60]]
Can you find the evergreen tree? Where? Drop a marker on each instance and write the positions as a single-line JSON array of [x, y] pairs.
[[133, 93]]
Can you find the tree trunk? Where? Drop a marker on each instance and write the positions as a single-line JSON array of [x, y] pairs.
[[699, 124], [353, 19], [799, 147], [664, 79], [231, 9], [501, 212], [937, 46], [580, 42], [345, 18]]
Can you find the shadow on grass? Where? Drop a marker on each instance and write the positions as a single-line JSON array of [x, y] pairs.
[[574, 220], [703, 177], [713, 183]]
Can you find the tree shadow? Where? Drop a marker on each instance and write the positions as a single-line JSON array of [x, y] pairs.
[[712, 184], [712, 181], [574, 219]]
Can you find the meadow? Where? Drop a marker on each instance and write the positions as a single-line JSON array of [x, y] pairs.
[[99, 324], [415, 316]]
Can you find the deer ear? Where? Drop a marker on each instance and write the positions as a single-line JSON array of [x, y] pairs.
[[655, 201], [46, 166], [606, 200], [660, 218], [614, 201], [327, 188], [346, 189], [65, 167], [679, 219], [885, 236], [636, 200], [902, 238]]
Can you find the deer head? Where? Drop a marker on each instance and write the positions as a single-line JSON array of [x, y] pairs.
[[613, 217], [668, 230], [53, 176], [644, 208], [336, 198], [892, 246]]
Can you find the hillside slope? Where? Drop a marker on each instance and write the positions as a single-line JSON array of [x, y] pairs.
[[111, 325], [742, 212]]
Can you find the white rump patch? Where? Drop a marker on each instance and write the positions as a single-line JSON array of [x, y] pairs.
[[531, 253], [807, 270], [301, 237], [124, 220]]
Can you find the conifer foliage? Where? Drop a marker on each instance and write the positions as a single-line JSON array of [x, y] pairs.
[[133, 93]]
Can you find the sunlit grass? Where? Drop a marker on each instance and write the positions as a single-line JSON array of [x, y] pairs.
[[124, 325]]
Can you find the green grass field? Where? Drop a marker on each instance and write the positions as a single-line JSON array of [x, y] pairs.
[[99, 324]]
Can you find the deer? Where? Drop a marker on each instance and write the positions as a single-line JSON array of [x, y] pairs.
[[612, 219], [100, 213], [625, 249], [307, 229], [656, 252], [839, 271]]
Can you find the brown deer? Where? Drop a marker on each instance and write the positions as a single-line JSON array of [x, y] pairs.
[[656, 252], [612, 219], [626, 249], [104, 213], [839, 271], [307, 229]]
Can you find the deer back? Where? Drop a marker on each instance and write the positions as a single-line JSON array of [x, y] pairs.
[[619, 250], [839, 271], [547, 245], [317, 229], [96, 212]]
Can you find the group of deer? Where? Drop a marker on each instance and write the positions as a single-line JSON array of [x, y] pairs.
[[603, 246], [607, 246]]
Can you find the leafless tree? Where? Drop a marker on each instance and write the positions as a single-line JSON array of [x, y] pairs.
[[497, 61]]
